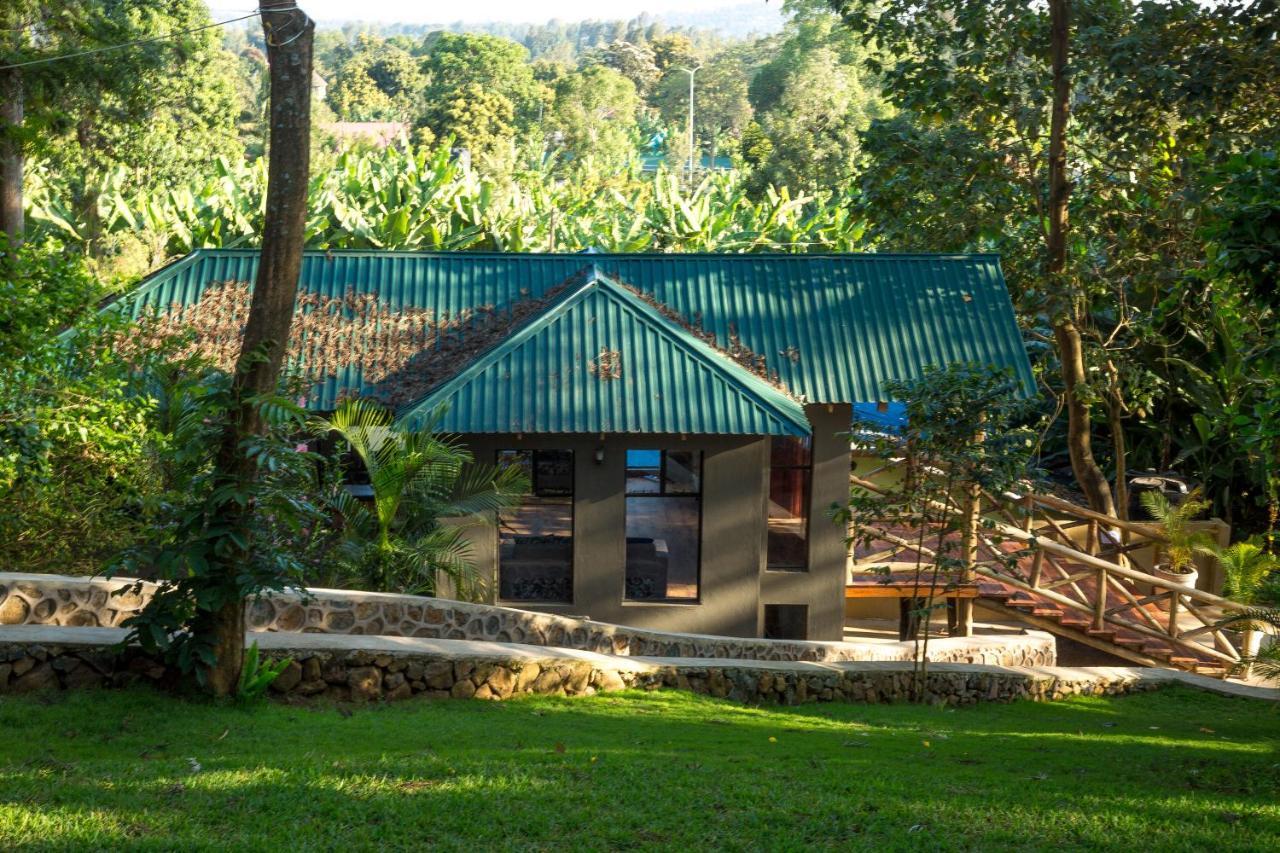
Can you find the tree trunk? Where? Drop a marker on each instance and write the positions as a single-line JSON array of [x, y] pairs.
[[1088, 474], [91, 185], [1066, 332], [289, 47], [11, 160], [1115, 421]]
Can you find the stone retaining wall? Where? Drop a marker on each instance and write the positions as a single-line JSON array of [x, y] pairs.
[[374, 674], [30, 599]]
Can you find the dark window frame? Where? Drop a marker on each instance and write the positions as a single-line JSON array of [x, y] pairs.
[[782, 615], [808, 508], [571, 500], [663, 494]]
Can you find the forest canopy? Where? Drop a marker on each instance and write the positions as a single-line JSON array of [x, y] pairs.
[[859, 126]]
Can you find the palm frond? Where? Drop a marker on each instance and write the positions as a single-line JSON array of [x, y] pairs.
[[1251, 617]]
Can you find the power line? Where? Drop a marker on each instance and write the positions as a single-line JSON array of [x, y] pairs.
[[165, 37]]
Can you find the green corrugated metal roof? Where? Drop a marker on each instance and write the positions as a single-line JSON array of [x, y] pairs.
[[600, 359], [832, 328]]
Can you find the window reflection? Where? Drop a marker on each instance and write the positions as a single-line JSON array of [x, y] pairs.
[[535, 537], [790, 473], [664, 511]]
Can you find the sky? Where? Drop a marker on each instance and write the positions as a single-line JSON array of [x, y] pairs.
[[482, 11]]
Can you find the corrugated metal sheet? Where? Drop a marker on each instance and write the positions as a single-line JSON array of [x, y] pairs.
[[600, 359], [834, 328]]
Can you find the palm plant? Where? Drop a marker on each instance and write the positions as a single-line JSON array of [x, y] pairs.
[[1184, 543], [426, 490], [1264, 663], [1247, 565]]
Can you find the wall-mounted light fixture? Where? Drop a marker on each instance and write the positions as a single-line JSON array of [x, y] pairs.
[[599, 455]]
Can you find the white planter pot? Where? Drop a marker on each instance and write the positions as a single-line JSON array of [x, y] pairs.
[[1251, 643], [1176, 578]]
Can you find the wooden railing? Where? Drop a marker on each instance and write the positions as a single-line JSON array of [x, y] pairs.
[[1027, 543]]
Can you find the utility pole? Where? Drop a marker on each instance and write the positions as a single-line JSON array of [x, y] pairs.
[[691, 72]]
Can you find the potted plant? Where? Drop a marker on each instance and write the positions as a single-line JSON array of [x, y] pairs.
[[1247, 566], [1175, 560]]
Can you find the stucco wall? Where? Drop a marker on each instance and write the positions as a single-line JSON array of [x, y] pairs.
[[734, 585], [821, 588], [733, 471]]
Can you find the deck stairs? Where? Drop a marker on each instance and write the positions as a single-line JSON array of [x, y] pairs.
[[1076, 573]]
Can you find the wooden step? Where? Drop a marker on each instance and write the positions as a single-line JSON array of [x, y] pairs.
[[1102, 634], [1000, 594], [1047, 612], [1074, 622], [1022, 603], [1131, 642], [1178, 660]]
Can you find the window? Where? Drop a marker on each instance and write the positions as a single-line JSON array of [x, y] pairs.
[[790, 473], [786, 621], [664, 521], [535, 537]]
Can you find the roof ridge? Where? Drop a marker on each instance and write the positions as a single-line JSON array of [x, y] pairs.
[[772, 398]]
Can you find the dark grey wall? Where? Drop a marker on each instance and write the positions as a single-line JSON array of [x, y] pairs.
[[822, 587], [734, 494]]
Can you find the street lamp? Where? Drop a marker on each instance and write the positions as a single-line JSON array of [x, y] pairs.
[[690, 72]]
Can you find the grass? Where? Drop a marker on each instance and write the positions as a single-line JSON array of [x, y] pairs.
[[1173, 770]]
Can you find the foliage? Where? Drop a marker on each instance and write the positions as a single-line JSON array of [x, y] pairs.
[[593, 120], [189, 543], [1168, 100], [73, 431], [811, 101], [495, 65], [721, 107], [1175, 522], [964, 434], [425, 488], [1247, 566], [427, 200], [375, 81], [636, 62], [1243, 225], [1266, 663], [151, 115], [481, 120], [258, 674]]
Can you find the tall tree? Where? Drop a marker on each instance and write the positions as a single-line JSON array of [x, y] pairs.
[[811, 100], [11, 157], [594, 118], [15, 23], [139, 89], [289, 36], [1010, 115], [1066, 328]]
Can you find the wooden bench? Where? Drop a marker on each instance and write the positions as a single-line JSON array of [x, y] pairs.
[[911, 599]]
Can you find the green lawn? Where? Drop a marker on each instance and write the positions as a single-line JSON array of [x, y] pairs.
[[1170, 770]]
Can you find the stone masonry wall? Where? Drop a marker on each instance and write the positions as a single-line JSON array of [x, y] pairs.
[[89, 602], [363, 676]]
